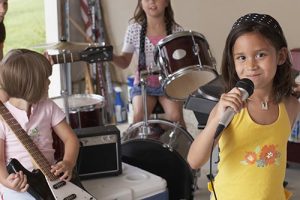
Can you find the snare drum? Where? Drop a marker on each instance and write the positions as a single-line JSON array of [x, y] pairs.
[[162, 152], [85, 110], [185, 63]]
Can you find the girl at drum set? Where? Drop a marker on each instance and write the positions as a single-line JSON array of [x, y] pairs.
[[152, 21], [253, 147], [24, 75]]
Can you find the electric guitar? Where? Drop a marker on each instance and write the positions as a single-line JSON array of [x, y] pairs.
[[90, 55], [43, 185]]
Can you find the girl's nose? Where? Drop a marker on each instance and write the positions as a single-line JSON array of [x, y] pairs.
[[251, 64]]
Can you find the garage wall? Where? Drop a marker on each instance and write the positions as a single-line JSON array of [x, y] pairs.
[[213, 18]]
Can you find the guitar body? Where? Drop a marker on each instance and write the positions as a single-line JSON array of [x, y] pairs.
[[42, 189], [38, 186]]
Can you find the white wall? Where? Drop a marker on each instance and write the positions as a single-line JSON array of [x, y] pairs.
[[52, 32], [213, 18]]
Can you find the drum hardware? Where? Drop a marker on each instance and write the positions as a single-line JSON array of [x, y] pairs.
[[153, 69], [154, 155], [64, 94], [145, 129], [65, 45], [162, 61], [161, 153], [173, 138], [65, 88], [195, 48], [196, 51], [196, 175]]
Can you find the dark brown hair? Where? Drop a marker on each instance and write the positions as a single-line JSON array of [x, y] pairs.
[[2, 32], [282, 84]]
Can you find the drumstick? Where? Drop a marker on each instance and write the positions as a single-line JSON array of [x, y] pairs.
[[76, 25], [88, 80]]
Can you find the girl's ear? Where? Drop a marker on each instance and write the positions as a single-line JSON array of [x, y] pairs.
[[282, 55]]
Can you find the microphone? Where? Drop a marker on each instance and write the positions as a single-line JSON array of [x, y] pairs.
[[246, 87]]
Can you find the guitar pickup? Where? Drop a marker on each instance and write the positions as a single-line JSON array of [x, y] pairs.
[[70, 197], [59, 184]]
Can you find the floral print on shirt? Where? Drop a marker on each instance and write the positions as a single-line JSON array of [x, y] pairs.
[[34, 134], [262, 156]]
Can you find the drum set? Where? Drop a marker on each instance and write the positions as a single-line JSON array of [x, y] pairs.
[[184, 63]]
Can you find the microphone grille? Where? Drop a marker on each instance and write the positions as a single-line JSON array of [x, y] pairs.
[[246, 84]]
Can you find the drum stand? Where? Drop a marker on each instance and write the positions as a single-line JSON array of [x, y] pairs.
[[144, 130], [65, 90]]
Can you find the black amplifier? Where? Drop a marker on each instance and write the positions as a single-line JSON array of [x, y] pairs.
[[99, 153]]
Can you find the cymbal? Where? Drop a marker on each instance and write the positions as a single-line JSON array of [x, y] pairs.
[[65, 45]]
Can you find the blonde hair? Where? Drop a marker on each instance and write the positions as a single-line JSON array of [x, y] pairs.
[[24, 74]]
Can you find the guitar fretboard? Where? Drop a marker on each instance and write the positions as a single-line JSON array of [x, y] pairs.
[[65, 58], [26, 141]]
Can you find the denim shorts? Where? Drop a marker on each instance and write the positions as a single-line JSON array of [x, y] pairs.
[[151, 91]]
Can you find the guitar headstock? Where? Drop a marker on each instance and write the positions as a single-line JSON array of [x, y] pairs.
[[97, 54]]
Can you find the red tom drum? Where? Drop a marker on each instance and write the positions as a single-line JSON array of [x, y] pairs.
[[185, 63]]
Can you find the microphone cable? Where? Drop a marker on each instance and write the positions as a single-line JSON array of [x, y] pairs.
[[210, 176]]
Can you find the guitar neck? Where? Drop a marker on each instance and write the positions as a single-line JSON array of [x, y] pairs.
[[26, 141], [65, 58], [91, 54]]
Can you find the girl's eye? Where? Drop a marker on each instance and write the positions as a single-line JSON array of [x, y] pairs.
[[240, 58], [260, 55]]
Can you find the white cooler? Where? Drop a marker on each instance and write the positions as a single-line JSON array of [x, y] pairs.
[[133, 183]]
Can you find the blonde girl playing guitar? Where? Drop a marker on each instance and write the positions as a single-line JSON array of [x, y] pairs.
[[24, 76]]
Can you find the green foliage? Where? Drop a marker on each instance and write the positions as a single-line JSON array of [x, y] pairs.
[[25, 24]]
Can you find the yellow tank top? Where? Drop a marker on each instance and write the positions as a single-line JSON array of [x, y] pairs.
[[253, 158]]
